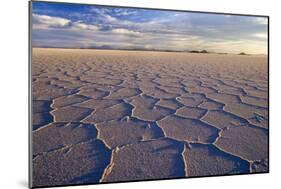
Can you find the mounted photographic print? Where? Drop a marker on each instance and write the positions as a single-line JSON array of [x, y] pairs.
[[122, 94]]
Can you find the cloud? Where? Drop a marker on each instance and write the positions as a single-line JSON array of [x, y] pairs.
[[109, 18], [260, 35], [125, 12], [45, 21], [260, 20], [83, 26], [124, 31], [103, 14], [49, 22]]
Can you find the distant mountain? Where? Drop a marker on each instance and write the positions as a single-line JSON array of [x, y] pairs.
[[204, 51], [242, 53]]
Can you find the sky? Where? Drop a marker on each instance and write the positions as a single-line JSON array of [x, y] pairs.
[[89, 26]]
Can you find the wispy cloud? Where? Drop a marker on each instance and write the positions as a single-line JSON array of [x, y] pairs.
[[261, 20], [261, 35], [124, 31]]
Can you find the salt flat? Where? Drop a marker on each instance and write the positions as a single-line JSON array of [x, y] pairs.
[[104, 115]]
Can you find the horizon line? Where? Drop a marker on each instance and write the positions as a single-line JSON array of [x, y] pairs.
[[152, 50]]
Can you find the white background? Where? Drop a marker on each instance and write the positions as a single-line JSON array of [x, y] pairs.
[[14, 92]]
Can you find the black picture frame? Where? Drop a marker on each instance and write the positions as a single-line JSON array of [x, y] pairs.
[[30, 109]]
